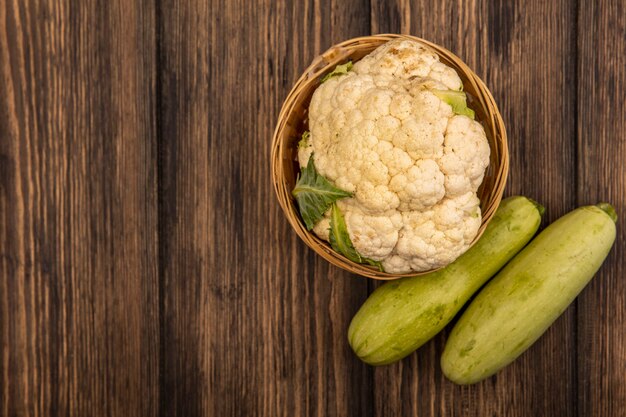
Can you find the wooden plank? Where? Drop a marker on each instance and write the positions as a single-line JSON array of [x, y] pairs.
[[254, 323], [601, 177], [523, 52], [78, 248], [186, 220]]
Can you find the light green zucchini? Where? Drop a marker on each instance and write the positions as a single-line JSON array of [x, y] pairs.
[[525, 298], [402, 315]]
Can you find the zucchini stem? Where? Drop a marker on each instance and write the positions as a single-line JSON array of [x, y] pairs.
[[541, 209], [608, 209]]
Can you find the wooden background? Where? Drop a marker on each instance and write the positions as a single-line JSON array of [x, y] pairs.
[[146, 268]]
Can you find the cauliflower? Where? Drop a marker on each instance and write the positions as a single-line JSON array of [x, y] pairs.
[[395, 135]]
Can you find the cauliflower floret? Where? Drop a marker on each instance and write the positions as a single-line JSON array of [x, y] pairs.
[[408, 59], [419, 187], [396, 263], [322, 228], [412, 164], [429, 239], [465, 156], [374, 236]]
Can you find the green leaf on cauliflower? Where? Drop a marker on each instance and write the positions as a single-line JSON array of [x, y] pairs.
[[373, 263], [304, 142], [457, 100], [340, 240], [315, 194], [339, 70]]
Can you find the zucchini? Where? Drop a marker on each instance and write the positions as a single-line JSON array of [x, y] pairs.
[[528, 295], [402, 315]]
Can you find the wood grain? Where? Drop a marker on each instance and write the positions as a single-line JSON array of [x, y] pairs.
[[252, 322], [191, 323], [601, 177], [146, 268], [505, 43], [78, 210]]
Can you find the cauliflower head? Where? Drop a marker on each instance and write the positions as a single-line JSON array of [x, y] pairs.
[[387, 132]]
